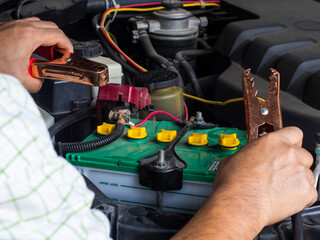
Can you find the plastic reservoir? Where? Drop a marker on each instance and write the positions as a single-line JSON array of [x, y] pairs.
[[114, 168]]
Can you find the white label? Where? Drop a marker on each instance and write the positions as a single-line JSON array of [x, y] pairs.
[[214, 166]]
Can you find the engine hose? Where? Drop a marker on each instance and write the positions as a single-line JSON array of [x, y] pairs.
[[93, 144], [69, 120], [191, 75], [207, 85], [112, 54], [152, 54], [204, 43], [150, 51]]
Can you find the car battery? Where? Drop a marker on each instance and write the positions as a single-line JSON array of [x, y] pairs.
[[114, 168]]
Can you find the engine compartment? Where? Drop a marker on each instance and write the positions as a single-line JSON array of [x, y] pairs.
[[158, 54]]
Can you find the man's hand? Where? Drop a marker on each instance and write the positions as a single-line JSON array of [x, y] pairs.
[[19, 39], [263, 183]]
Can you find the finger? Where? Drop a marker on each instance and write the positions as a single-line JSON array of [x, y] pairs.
[[313, 196], [28, 19], [310, 176], [43, 24], [291, 135], [20, 21], [33, 85], [53, 37], [304, 157]]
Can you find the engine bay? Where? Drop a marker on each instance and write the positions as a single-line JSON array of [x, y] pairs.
[[174, 82]]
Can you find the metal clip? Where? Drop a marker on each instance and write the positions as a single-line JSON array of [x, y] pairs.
[[261, 116], [66, 66]]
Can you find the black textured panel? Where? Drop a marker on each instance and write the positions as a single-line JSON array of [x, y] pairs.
[[312, 91], [236, 36], [263, 52], [297, 67], [285, 36]]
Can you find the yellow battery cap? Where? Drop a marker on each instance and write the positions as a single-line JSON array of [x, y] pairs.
[[166, 135], [197, 139], [105, 128], [229, 141], [137, 132]]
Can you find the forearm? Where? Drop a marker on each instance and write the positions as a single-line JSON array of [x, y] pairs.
[[225, 215]]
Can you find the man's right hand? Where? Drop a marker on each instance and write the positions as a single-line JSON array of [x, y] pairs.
[[19, 39], [266, 181], [273, 173]]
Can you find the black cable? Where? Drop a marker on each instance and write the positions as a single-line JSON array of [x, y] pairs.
[[19, 6], [297, 226], [90, 145], [69, 120]]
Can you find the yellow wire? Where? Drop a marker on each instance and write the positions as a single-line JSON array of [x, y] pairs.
[[216, 102], [140, 10], [154, 9], [115, 45]]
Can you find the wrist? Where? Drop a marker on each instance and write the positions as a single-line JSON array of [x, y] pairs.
[[225, 215]]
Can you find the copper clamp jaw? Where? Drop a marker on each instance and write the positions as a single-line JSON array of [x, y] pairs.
[[261, 116], [66, 66]]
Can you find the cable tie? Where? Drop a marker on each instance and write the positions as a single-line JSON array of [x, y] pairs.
[[107, 4], [203, 4], [116, 7]]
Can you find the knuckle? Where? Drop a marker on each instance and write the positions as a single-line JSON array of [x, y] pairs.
[[31, 18], [314, 194], [301, 169], [297, 130], [52, 24], [27, 31]]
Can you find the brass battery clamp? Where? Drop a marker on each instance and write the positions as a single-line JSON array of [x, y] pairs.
[[66, 66]]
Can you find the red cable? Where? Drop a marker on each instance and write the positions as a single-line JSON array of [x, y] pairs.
[[157, 112], [186, 109]]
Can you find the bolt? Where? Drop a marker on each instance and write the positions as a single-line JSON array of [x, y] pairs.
[[161, 162], [68, 59], [199, 117], [264, 111]]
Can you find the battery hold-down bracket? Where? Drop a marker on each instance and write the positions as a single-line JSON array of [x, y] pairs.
[[164, 170]]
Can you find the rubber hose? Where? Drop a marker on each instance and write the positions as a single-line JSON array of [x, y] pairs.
[[93, 144], [180, 56], [204, 43], [150, 51], [192, 78], [69, 120], [207, 84], [297, 226], [152, 54]]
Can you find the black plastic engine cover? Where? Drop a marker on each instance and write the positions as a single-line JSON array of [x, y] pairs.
[[285, 36]]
